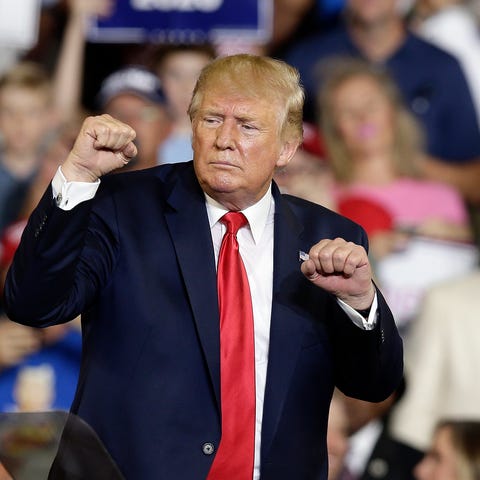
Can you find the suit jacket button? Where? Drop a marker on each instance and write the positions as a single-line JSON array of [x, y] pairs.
[[378, 468], [208, 448]]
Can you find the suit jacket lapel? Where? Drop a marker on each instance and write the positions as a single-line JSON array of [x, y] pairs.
[[189, 228], [286, 329]]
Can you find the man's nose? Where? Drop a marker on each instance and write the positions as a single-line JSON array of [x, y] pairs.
[[226, 136]]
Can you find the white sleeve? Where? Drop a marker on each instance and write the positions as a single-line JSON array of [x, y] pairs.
[[69, 194], [358, 319]]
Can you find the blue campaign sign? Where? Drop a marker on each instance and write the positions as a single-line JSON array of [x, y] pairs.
[[184, 21]]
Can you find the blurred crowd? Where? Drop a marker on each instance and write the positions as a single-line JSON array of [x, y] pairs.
[[391, 140]]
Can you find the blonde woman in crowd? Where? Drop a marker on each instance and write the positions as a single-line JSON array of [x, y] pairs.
[[374, 146]]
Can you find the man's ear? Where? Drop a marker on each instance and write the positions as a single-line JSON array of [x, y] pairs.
[[287, 152]]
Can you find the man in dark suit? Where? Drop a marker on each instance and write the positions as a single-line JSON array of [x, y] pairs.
[[137, 259]]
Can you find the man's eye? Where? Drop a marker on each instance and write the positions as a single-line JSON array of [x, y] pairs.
[[248, 127], [210, 120]]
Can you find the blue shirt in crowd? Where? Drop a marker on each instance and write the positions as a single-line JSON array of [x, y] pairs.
[[430, 79]]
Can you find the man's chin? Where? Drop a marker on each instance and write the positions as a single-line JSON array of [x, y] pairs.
[[220, 182]]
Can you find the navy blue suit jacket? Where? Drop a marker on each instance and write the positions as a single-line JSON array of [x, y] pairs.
[[137, 262]]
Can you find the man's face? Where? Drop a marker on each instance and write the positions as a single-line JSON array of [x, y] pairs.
[[372, 11], [237, 146]]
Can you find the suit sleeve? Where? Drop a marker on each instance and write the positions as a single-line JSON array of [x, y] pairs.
[[368, 363], [62, 260]]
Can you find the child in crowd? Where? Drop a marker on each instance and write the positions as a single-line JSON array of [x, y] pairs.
[[38, 367], [26, 117], [178, 67]]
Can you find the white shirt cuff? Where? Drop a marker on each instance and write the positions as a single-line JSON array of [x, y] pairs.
[[364, 323], [69, 194]]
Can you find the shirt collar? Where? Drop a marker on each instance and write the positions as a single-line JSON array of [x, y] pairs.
[[257, 214]]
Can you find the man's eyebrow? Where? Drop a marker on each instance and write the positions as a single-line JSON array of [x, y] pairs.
[[209, 111], [245, 118], [238, 118]]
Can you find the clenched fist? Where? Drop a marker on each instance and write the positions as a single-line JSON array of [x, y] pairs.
[[103, 145], [343, 269]]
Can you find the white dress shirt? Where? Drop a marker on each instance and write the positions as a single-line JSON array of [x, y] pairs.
[[256, 249]]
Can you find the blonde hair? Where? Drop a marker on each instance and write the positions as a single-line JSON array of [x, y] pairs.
[[28, 75], [408, 136], [257, 77]]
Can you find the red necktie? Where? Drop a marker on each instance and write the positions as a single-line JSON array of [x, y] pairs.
[[234, 458]]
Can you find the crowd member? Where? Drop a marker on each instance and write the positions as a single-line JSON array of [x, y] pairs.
[[454, 454], [38, 368], [369, 454], [78, 64], [134, 95], [431, 81], [55, 149], [68, 75], [309, 177], [441, 359], [25, 120], [16, 343], [337, 438], [34, 389], [138, 260], [44, 376], [4, 475], [452, 25], [296, 19], [178, 67], [373, 146], [288, 15]]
